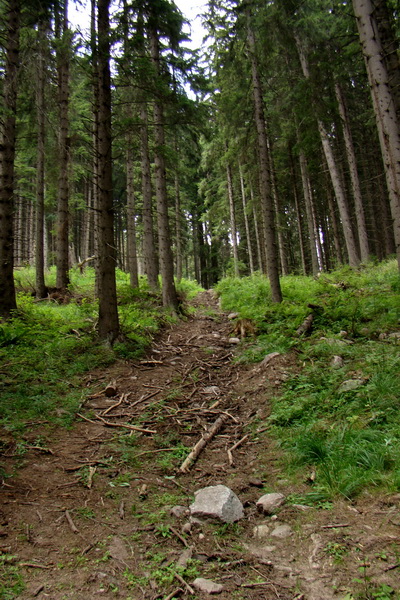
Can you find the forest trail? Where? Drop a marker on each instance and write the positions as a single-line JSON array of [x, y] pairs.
[[88, 512]]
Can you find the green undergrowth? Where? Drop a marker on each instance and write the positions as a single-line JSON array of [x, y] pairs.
[[341, 438], [47, 346]]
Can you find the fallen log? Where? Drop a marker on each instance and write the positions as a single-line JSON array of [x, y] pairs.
[[306, 325], [202, 443]]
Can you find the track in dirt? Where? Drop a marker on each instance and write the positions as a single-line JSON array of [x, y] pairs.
[[89, 513]]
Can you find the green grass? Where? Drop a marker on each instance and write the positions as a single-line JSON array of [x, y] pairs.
[[349, 438], [47, 347]]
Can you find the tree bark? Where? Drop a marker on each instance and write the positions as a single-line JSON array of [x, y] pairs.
[[309, 213], [246, 220], [7, 158], [41, 110], [355, 181], [265, 184], [131, 222], [63, 59], [108, 326], [232, 216], [384, 107], [169, 294]]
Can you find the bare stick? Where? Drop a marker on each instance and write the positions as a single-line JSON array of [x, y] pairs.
[[110, 408], [335, 525], [126, 425], [202, 443], [34, 565], [188, 587], [70, 522], [92, 471], [122, 510], [174, 593], [178, 535]]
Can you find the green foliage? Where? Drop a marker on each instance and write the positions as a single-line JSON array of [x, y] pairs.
[[46, 347], [349, 438], [11, 581]]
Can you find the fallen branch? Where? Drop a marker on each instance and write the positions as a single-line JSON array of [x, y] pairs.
[[306, 325], [178, 535], [188, 587], [230, 450], [34, 565], [125, 425], [70, 522], [202, 443], [335, 526], [174, 593]]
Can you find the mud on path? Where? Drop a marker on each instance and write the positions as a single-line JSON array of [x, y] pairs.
[[88, 513]]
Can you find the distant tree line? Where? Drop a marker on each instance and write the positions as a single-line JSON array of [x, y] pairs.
[[284, 157]]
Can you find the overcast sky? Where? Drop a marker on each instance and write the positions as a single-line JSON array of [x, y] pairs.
[[80, 16]]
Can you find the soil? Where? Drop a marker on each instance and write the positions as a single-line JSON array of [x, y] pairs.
[[87, 512]]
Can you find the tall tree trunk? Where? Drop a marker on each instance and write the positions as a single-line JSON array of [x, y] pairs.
[[337, 185], [40, 107], [308, 200], [265, 184], [108, 314], [384, 106], [7, 158], [299, 217], [355, 182], [169, 294], [232, 216], [131, 220], [246, 220], [63, 59], [149, 248]]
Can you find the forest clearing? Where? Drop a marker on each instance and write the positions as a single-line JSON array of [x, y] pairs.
[[95, 495]]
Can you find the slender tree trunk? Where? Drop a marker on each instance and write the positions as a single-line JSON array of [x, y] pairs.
[[309, 213], [40, 104], [355, 182], [257, 232], [299, 217], [232, 220], [169, 294], [131, 220], [246, 220], [149, 249], [384, 106], [7, 158], [108, 314], [63, 59], [340, 195], [178, 218], [265, 184]]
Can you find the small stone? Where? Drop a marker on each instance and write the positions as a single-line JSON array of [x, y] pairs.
[[350, 385], [201, 536], [343, 334], [394, 336], [282, 531], [234, 340], [187, 528], [207, 586], [179, 511], [233, 315], [261, 532], [337, 362], [256, 483], [269, 503], [217, 503], [303, 507]]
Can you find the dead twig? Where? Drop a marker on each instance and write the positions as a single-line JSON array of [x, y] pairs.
[[230, 450], [335, 526], [187, 586], [202, 443], [178, 535], [125, 425], [70, 522], [174, 593], [35, 565]]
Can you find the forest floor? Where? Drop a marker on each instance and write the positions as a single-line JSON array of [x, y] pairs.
[[87, 512]]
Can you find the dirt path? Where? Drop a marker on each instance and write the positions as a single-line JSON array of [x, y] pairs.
[[88, 513]]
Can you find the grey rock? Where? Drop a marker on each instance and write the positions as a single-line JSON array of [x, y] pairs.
[[350, 385], [207, 586], [217, 503], [187, 528], [234, 340], [282, 531], [337, 362], [179, 511], [269, 503], [233, 315], [261, 532], [394, 336]]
